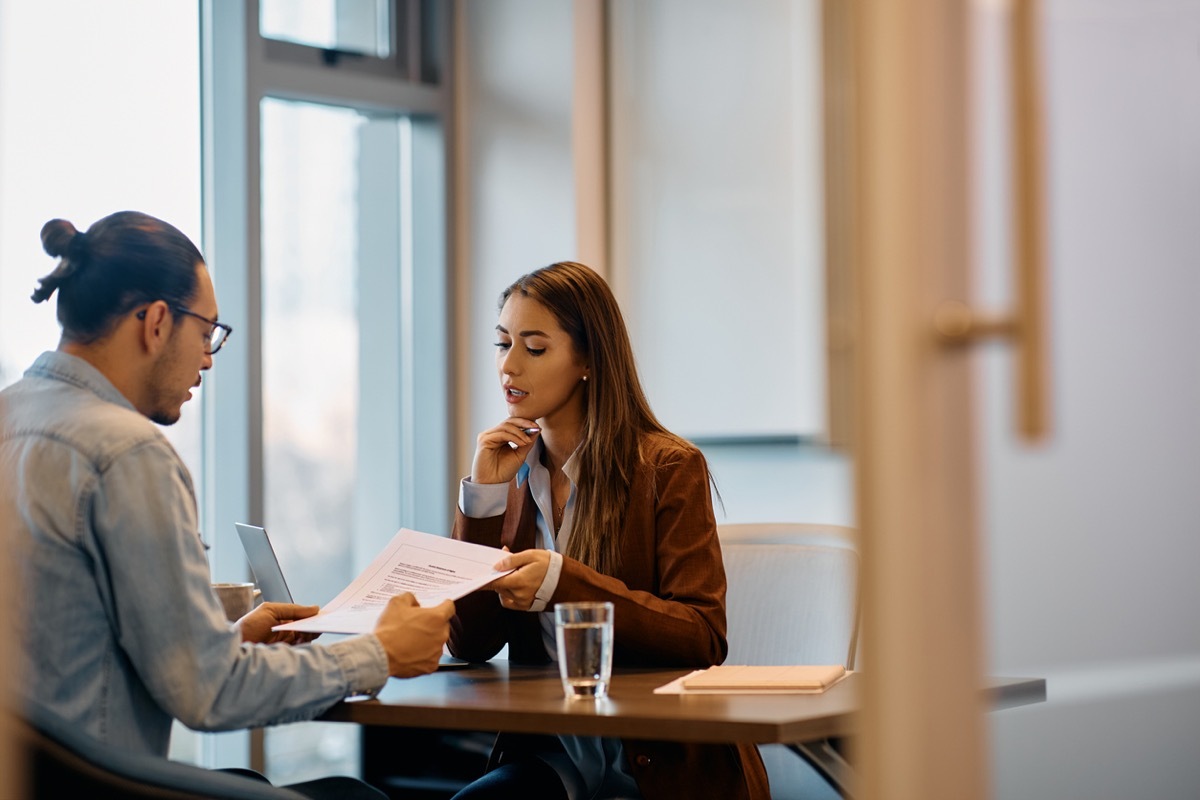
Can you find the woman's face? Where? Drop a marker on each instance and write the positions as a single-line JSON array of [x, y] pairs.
[[541, 375]]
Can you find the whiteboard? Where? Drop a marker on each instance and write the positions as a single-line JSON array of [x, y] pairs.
[[717, 223]]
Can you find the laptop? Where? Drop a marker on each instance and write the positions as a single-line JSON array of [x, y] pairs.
[[263, 563]]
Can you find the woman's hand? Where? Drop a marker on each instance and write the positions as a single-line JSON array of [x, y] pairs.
[[496, 459], [518, 589]]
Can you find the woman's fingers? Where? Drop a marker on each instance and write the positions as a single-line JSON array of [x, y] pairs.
[[513, 431], [520, 587], [500, 451], [515, 601]]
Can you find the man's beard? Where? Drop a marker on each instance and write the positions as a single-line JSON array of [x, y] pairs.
[[163, 410]]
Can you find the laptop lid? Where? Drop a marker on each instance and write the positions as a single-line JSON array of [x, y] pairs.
[[264, 564]]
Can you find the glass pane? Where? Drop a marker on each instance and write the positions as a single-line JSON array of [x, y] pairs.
[[140, 125], [360, 26], [433, 22], [330, 180], [310, 338], [87, 129]]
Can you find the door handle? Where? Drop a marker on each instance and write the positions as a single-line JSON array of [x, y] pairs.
[[955, 322]]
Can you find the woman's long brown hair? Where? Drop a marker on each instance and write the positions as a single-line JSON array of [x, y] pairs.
[[616, 413]]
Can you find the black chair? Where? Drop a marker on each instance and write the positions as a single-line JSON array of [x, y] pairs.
[[421, 763], [66, 763]]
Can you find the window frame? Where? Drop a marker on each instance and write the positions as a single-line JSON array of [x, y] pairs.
[[239, 68]]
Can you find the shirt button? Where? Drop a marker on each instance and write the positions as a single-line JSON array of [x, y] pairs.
[[643, 761]]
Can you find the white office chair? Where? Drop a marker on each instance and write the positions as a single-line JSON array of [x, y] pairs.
[[792, 599]]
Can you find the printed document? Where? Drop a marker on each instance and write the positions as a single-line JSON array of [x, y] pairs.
[[434, 568]]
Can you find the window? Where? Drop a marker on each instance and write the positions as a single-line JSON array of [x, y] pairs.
[[85, 130], [326, 227], [320, 207], [355, 26], [334, 428]]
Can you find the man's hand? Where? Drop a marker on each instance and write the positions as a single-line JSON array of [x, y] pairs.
[[413, 636], [256, 626]]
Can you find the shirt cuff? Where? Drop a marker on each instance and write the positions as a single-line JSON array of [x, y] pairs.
[[549, 583], [482, 500], [363, 662]]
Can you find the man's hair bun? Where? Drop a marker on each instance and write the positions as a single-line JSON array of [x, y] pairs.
[[60, 239]]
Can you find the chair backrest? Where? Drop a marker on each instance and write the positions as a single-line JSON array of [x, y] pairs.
[[65, 762], [793, 593]]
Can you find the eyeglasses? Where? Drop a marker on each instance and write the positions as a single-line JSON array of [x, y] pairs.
[[218, 334]]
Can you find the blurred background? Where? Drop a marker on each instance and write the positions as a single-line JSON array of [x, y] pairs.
[[360, 225]]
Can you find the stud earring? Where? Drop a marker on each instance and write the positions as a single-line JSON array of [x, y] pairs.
[[585, 377]]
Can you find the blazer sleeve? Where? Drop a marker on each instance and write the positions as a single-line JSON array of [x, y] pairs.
[[478, 629], [674, 614]]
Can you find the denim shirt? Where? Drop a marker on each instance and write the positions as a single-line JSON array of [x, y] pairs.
[[120, 630]]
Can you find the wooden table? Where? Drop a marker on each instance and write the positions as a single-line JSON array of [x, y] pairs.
[[498, 696]]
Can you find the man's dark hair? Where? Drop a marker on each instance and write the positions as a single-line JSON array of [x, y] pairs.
[[125, 260]]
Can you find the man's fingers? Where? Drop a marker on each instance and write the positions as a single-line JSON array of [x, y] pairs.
[[291, 610], [404, 599]]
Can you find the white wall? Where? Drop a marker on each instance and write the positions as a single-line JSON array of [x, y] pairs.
[[1093, 540], [520, 212]]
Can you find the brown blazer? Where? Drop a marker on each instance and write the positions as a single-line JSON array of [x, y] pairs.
[[669, 610]]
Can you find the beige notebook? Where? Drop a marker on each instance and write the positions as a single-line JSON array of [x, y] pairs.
[[807, 678]]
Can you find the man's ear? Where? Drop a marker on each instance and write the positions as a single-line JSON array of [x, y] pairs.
[[157, 325]]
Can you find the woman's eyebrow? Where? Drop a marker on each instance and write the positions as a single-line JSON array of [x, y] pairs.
[[504, 330]]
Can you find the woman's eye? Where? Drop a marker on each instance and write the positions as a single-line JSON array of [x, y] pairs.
[[534, 351], [504, 345]]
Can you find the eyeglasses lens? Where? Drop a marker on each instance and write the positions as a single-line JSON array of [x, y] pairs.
[[216, 339]]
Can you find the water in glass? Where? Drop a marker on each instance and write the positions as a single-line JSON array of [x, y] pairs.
[[585, 658]]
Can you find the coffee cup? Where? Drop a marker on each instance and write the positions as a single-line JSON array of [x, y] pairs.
[[236, 598]]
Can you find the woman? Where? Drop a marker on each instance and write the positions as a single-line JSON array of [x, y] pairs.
[[596, 501]]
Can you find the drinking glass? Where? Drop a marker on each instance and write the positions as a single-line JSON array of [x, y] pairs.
[[584, 632]]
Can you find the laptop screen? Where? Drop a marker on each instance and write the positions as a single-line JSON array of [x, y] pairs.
[[263, 562]]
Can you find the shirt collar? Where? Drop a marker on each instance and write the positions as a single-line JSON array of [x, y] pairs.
[[570, 469], [60, 366]]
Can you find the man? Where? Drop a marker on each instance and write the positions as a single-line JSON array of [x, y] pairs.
[[120, 630]]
